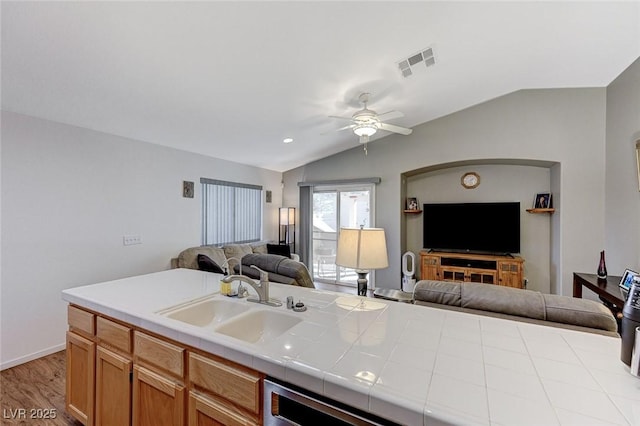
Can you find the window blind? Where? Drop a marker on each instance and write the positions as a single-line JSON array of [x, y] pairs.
[[231, 212]]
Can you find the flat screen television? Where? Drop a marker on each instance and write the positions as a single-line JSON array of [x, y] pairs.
[[472, 227]]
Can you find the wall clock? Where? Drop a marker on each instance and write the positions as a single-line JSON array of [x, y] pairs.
[[470, 180]]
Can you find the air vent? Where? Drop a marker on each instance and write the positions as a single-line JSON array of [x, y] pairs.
[[417, 62]]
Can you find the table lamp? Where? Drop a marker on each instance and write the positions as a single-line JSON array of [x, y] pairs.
[[362, 249]]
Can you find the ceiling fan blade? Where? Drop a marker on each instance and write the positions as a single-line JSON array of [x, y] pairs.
[[340, 118], [390, 115], [394, 129], [350, 126]]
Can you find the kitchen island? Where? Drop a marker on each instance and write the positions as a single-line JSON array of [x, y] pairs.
[[410, 364]]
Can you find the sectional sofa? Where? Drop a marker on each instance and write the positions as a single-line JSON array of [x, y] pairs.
[[517, 304], [281, 269]]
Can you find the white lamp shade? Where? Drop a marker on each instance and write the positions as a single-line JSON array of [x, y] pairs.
[[287, 215], [362, 248]]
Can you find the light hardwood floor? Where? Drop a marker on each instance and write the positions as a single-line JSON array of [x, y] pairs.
[[40, 385], [37, 387]]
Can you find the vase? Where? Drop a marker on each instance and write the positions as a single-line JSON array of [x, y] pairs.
[[602, 267]]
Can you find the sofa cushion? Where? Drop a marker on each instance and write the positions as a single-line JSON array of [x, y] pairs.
[[260, 248], [235, 252], [281, 249], [273, 277], [505, 300], [442, 292], [280, 269], [570, 310], [296, 270], [189, 258], [205, 263], [266, 262]]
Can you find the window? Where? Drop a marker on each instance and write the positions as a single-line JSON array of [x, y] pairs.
[[334, 207], [231, 212]]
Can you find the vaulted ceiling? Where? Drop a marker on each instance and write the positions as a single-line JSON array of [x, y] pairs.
[[233, 79]]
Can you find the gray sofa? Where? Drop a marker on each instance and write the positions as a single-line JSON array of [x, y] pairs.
[[516, 304], [280, 269]]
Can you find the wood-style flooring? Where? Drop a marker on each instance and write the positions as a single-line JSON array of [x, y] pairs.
[[35, 390], [40, 385]]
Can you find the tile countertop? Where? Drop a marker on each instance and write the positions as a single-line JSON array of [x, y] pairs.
[[411, 364]]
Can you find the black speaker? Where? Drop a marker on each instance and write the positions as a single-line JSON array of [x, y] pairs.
[[630, 320]]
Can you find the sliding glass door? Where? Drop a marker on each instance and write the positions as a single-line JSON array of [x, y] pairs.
[[334, 208]]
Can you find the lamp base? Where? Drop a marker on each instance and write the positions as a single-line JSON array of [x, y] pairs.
[[362, 282]]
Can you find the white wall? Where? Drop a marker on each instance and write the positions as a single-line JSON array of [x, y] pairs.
[[564, 126], [68, 197], [498, 183], [622, 196]]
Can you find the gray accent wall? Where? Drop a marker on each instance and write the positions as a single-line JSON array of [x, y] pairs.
[[564, 128], [622, 199]]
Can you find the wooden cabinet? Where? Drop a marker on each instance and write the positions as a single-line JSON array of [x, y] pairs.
[[157, 400], [113, 388], [237, 389], [206, 411], [510, 273], [488, 269], [79, 397], [119, 375], [158, 387]]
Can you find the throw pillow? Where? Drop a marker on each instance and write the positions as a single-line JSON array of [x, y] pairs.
[[281, 249], [206, 264]]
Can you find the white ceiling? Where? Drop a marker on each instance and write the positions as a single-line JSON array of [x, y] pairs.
[[232, 79]]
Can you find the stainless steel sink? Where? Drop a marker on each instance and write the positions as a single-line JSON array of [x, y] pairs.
[[259, 326]]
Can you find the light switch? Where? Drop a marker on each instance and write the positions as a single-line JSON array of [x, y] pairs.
[[129, 240]]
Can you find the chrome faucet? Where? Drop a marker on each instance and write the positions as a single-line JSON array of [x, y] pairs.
[[262, 288], [225, 265]]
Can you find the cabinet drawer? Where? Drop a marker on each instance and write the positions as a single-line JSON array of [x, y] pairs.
[[114, 334], [241, 386], [80, 320], [159, 353], [206, 411]]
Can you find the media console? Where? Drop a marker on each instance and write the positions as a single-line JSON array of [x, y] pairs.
[[478, 268]]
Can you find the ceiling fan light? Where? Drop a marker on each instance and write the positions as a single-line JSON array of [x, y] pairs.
[[365, 130]]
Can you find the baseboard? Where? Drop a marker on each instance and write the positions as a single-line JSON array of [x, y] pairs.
[[31, 357]]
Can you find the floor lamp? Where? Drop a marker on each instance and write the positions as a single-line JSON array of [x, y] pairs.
[[287, 220], [362, 249]]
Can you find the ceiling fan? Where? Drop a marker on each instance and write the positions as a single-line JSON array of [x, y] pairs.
[[365, 122]]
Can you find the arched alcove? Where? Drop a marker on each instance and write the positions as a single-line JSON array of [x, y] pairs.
[[500, 180]]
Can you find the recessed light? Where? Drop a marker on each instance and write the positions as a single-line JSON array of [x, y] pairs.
[[287, 140]]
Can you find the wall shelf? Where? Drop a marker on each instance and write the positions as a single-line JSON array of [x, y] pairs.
[[550, 211], [413, 211]]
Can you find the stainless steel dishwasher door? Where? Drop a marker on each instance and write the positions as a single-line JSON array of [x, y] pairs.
[[286, 406]]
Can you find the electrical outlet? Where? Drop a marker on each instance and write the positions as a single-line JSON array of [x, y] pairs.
[[129, 240]]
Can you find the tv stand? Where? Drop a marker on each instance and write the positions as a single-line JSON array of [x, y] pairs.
[[505, 270]]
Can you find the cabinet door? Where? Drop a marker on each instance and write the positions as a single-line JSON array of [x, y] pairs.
[[80, 378], [157, 400], [430, 268], [451, 273], [113, 389], [205, 411], [509, 274]]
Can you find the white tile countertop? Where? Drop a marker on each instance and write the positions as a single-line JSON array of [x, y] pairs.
[[411, 364]]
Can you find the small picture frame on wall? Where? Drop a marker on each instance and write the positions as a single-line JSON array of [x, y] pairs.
[[187, 189], [542, 201], [412, 203]]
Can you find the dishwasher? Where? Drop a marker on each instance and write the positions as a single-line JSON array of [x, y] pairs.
[[286, 404]]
